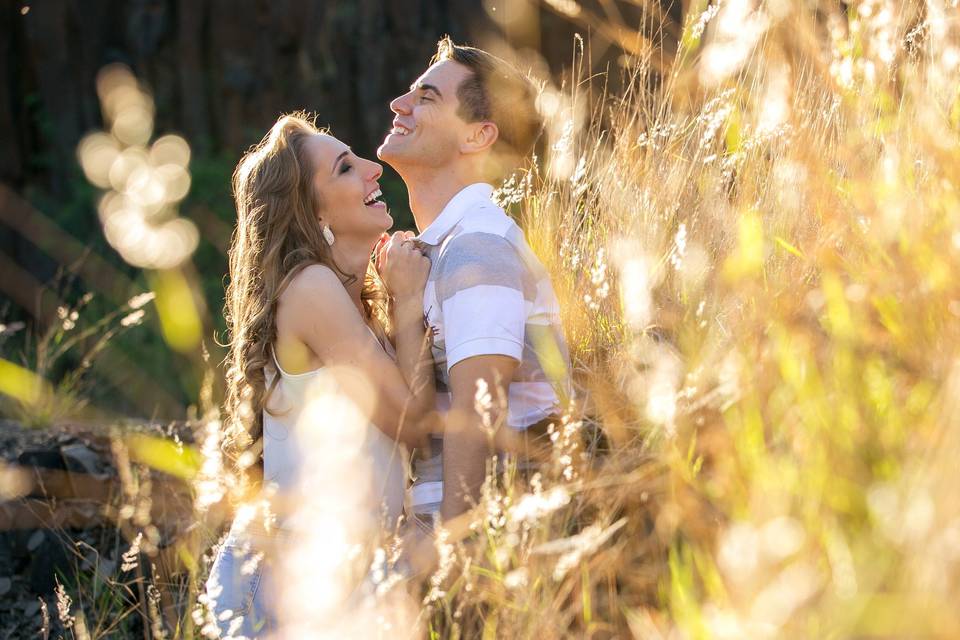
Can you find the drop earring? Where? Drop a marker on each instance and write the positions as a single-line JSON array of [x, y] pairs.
[[328, 235]]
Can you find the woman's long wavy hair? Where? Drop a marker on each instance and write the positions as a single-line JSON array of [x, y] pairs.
[[277, 235]]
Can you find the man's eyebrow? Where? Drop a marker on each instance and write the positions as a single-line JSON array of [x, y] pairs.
[[423, 86], [339, 158]]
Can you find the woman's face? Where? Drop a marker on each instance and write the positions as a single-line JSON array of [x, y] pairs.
[[348, 190]]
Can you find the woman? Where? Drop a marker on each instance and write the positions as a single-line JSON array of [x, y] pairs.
[[309, 317]]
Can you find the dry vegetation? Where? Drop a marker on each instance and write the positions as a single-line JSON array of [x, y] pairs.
[[774, 359], [755, 248]]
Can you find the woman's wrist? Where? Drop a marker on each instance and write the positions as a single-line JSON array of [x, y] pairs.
[[408, 304]]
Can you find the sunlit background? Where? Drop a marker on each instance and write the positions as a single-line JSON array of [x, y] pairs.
[[750, 211]]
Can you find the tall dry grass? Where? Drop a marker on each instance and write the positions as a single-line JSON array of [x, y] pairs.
[[755, 246], [756, 252]]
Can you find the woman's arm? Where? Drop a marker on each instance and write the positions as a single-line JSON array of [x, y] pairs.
[[415, 362], [404, 271], [317, 311]]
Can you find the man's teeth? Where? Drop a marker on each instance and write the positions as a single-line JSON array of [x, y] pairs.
[[399, 131], [370, 199]]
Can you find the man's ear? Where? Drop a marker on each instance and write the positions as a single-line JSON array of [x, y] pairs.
[[480, 137]]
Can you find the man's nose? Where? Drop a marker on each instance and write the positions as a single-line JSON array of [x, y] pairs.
[[401, 105]]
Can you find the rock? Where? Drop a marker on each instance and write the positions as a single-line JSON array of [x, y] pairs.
[[35, 540], [46, 563], [43, 458], [80, 457], [30, 607], [5, 584], [106, 568]]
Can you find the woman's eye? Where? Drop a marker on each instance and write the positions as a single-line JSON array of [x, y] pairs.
[[345, 167]]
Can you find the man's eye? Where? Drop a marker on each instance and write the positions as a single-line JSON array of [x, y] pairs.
[[426, 99]]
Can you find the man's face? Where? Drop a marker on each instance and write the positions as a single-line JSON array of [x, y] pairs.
[[427, 131]]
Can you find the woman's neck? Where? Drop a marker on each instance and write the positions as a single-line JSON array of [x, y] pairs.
[[353, 258]]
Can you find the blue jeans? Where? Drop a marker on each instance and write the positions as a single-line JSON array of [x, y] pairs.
[[237, 589]]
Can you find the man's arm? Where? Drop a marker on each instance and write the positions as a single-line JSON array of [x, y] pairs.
[[466, 443], [483, 292]]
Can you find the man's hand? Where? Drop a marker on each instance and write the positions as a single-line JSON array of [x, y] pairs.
[[467, 443]]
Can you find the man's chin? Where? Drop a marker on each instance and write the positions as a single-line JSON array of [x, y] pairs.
[[390, 154], [385, 152]]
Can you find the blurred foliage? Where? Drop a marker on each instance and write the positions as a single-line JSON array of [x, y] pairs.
[[209, 203], [754, 244]]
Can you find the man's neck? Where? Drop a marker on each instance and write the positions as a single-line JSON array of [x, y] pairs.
[[430, 192]]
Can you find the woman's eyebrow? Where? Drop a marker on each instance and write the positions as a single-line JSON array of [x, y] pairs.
[[339, 158]]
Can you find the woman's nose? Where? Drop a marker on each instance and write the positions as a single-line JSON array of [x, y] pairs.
[[376, 169]]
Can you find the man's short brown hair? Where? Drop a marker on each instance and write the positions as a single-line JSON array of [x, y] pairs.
[[496, 92]]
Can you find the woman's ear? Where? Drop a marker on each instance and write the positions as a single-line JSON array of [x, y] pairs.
[[480, 137]]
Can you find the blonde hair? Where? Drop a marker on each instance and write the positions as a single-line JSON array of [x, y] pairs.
[[277, 235]]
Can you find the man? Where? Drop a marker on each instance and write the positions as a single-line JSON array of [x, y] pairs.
[[466, 121]]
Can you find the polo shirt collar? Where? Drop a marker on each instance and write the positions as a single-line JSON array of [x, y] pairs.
[[453, 212]]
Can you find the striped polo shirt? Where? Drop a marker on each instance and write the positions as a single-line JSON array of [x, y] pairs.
[[488, 294]]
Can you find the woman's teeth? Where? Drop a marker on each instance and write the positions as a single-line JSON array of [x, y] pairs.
[[372, 198]]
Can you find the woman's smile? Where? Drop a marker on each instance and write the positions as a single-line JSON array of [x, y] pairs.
[[372, 201]]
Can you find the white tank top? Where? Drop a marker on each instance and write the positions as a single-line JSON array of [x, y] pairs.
[[286, 450]]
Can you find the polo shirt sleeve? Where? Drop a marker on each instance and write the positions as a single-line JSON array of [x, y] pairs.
[[481, 293]]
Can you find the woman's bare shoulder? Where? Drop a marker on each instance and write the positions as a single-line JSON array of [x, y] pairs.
[[313, 277], [315, 292], [311, 282]]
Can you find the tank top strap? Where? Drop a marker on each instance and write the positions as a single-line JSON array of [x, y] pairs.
[[280, 370], [276, 363], [384, 344]]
